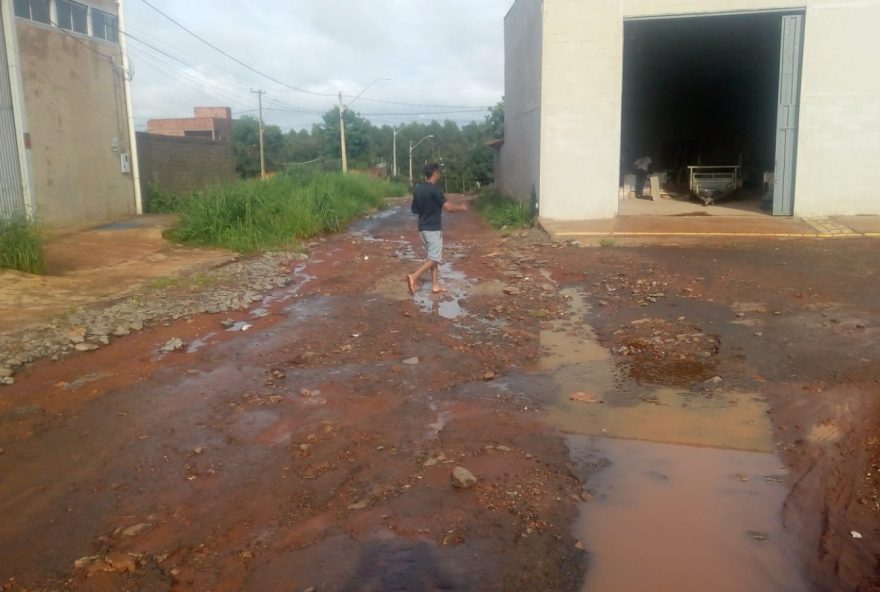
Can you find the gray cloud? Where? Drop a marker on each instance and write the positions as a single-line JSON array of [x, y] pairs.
[[437, 53]]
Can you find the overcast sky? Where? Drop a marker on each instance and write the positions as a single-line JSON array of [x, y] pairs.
[[448, 53]]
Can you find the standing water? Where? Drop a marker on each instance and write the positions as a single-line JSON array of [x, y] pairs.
[[688, 494]]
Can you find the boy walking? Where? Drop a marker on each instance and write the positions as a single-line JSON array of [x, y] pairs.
[[428, 203]]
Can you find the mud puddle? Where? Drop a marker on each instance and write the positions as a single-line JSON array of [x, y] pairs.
[[681, 518], [688, 492]]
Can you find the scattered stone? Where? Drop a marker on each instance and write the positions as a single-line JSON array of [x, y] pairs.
[[511, 291], [855, 534], [759, 536], [7, 381], [121, 331], [742, 477], [103, 339], [121, 562], [77, 335], [84, 562], [358, 506], [502, 449], [431, 462], [579, 546], [246, 555], [586, 398], [84, 347], [462, 478], [173, 344], [489, 376], [136, 529], [411, 361], [6, 373], [198, 450]]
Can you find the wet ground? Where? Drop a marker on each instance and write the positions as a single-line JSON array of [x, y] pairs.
[[665, 418]]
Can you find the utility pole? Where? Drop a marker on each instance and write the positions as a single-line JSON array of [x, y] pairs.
[[260, 94], [411, 148], [394, 152], [342, 134], [132, 133]]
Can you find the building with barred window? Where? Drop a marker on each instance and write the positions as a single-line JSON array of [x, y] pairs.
[[65, 141]]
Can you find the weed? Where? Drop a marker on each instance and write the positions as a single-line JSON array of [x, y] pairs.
[[21, 245], [502, 213], [606, 242], [161, 202], [256, 215]]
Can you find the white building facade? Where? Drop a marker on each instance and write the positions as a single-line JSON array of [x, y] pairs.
[[564, 84]]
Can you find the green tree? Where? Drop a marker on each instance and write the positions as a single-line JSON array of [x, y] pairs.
[[246, 146], [357, 136]]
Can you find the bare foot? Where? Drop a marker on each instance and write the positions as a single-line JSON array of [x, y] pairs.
[[439, 289], [411, 284]]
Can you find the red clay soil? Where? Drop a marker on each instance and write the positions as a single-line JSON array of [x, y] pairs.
[[315, 449]]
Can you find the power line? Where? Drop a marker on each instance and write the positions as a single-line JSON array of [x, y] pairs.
[[233, 58], [289, 86]]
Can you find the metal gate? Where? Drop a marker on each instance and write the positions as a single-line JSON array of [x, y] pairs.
[[11, 188], [787, 117]]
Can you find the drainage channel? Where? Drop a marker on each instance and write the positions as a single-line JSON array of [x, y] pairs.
[[685, 492]]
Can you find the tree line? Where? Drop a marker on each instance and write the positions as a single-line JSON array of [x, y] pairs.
[[464, 151]]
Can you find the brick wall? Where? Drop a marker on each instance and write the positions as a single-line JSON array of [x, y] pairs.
[[182, 165]]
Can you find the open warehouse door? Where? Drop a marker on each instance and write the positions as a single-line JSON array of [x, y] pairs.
[[712, 102]]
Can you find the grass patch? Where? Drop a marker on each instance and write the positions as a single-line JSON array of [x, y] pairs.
[[254, 215], [21, 246], [606, 242], [503, 213]]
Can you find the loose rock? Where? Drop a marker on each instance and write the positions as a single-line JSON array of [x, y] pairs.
[[462, 478], [122, 562], [173, 344]]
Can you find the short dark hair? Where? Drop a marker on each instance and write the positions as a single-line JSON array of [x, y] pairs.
[[430, 168]]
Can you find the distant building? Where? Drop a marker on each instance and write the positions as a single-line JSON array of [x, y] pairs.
[[209, 123], [65, 150]]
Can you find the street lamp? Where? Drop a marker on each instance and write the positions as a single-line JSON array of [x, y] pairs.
[[342, 121], [411, 148]]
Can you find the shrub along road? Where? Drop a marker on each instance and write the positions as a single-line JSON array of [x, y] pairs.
[[318, 448]]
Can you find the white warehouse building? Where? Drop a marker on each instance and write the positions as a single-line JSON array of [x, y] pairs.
[[788, 87]]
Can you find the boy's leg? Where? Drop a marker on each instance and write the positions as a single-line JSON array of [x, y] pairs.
[[435, 279], [412, 278]]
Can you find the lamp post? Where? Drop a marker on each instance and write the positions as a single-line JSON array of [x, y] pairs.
[[411, 148], [342, 107]]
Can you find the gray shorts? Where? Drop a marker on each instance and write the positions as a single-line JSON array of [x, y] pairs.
[[433, 241]]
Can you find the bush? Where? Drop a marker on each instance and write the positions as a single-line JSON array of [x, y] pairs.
[[21, 246], [502, 212], [255, 215]]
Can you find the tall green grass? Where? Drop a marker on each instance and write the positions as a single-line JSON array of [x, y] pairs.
[[255, 215], [502, 212], [21, 245]]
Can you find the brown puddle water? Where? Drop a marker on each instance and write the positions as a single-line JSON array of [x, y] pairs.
[[681, 519], [691, 499]]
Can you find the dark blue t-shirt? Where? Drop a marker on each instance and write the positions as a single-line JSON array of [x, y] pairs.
[[428, 203]]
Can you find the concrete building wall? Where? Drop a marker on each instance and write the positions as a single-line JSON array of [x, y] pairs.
[[73, 96], [839, 130], [182, 165], [520, 155]]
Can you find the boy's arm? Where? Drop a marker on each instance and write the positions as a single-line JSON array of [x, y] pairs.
[[451, 207]]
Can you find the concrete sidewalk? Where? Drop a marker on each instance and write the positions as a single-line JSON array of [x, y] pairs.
[[707, 227]]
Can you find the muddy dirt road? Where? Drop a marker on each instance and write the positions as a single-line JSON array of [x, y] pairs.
[[664, 418]]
